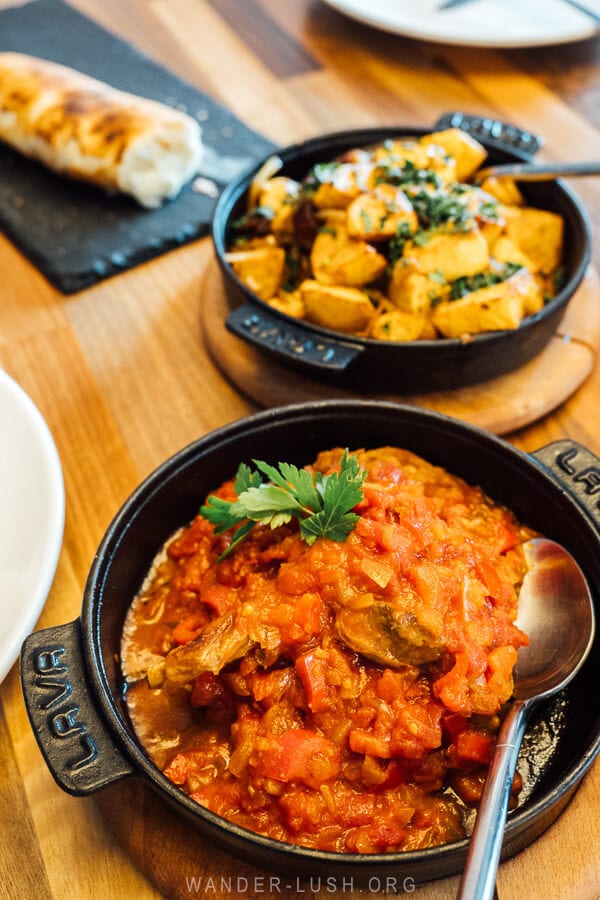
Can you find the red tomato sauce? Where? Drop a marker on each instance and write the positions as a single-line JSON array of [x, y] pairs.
[[351, 691]]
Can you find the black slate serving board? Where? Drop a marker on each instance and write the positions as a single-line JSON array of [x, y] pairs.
[[77, 234]]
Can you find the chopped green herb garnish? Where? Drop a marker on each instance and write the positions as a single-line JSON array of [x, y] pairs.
[[489, 210], [292, 271], [406, 173], [366, 220], [420, 238], [466, 285], [323, 504], [559, 278], [435, 210], [437, 276], [397, 243]]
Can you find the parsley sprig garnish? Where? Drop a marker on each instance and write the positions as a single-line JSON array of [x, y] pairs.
[[323, 504]]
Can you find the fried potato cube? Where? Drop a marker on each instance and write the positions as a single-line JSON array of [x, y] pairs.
[[337, 258], [428, 332], [417, 153], [280, 194], [505, 190], [452, 255], [342, 182], [530, 289], [491, 232], [289, 302], [398, 326], [399, 151], [340, 308], [492, 308], [260, 270], [538, 233], [412, 291], [506, 251], [377, 214], [461, 147]]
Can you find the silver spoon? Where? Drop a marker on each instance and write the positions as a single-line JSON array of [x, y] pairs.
[[537, 171], [556, 611]]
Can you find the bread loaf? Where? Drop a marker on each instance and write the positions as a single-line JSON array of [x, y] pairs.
[[86, 129]]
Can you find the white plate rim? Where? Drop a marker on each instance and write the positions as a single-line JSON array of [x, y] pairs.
[[25, 621], [369, 17]]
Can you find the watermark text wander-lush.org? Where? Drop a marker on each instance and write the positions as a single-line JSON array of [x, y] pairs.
[[275, 884]]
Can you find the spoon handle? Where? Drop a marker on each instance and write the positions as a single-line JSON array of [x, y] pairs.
[[479, 877], [538, 172]]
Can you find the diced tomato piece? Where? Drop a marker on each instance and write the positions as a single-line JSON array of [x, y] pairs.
[[308, 612], [295, 578], [390, 686], [507, 538], [453, 724], [369, 744], [395, 774], [490, 577], [190, 627], [369, 531], [222, 798], [312, 671], [501, 663], [219, 597], [427, 582], [472, 746], [375, 837], [377, 571], [417, 730], [269, 687], [300, 755], [453, 688], [187, 543], [358, 809]]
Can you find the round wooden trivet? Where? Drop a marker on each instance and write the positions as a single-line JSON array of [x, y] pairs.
[[500, 405]]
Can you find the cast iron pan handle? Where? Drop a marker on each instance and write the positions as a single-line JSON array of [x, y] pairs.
[[289, 341], [576, 469], [71, 734], [498, 134]]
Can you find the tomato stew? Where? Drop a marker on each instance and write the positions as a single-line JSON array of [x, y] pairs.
[[346, 695]]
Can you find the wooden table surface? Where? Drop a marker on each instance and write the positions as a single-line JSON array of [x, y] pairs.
[[121, 375]]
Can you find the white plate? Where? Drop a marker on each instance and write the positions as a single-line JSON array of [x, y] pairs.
[[485, 23], [32, 513]]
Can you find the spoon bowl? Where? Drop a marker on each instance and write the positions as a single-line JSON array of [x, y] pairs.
[[556, 611]]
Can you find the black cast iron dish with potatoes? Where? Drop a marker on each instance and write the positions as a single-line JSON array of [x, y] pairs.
[[398, 365], [71, 674]]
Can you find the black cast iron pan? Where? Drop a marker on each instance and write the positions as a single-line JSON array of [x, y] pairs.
[[73, 684], [409, 366]]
